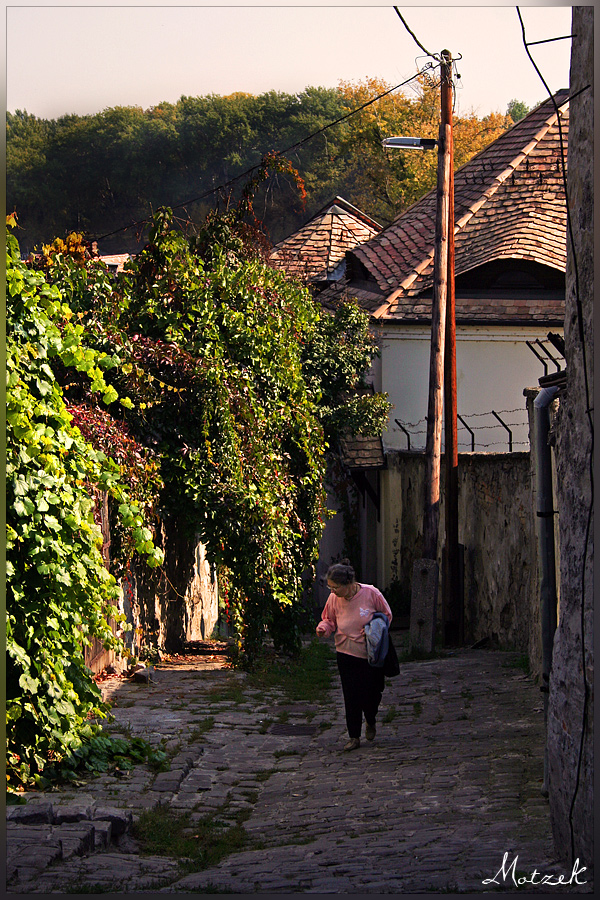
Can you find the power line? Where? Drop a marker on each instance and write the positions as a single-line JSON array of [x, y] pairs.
[[566, 37], [289, 149], [415, 38]]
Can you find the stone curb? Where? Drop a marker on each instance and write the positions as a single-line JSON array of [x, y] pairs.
[[39, 834]]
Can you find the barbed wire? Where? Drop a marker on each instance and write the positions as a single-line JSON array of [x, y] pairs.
[[471, 416], [503, 412], [471, 429], [480, 427], [497, 443]]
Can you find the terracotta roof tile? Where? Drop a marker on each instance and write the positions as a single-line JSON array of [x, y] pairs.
[[316, 250], [509, 204], [361, 452]]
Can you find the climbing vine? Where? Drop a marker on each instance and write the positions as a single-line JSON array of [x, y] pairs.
[[59, 593], [217, 387]]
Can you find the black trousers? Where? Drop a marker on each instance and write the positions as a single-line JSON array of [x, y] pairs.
[[362, 686]]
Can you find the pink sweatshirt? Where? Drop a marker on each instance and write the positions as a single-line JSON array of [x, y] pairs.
[[347, 619]]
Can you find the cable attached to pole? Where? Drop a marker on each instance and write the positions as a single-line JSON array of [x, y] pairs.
[[435, 56]]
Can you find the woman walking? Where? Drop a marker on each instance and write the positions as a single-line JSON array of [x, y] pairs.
[[349, 607]]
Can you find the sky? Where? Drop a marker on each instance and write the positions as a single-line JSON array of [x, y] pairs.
[[82, 59]]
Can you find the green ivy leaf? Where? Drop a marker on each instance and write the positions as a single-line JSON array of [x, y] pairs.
[[29, 684], [110, 396]]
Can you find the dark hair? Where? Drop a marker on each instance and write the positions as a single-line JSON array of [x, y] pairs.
[[341, 573]]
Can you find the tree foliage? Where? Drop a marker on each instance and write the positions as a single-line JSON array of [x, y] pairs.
[[98, 173], [386, 182], [235, 381], [517, 109]]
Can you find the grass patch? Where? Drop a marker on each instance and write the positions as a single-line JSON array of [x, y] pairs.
[[520, 662], [161, 832], [279, 753], [264, 775], [390, 715], [227, 693], [307, 677], [200, 728], [265, 724], [417, 708]]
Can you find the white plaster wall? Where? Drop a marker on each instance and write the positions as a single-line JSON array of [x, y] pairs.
[[493, 366]]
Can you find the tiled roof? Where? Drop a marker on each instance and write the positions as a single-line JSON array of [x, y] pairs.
[[362, 452], [519, 309], [509, 204], [368, 295], [316, 250], [116, 259]]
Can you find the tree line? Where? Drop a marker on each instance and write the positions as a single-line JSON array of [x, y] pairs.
[[98, 173]]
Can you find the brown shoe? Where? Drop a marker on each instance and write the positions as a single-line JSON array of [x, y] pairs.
[[353, 744], [370, 732]]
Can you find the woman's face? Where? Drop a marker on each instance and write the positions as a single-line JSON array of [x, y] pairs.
[[341, 590]]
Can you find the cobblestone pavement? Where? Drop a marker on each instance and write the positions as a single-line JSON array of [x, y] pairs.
[[451, 784]]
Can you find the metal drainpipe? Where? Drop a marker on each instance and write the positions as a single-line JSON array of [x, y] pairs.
[[545, 537]]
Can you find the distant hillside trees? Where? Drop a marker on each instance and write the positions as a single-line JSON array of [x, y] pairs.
[[517, 110], [98, 173]]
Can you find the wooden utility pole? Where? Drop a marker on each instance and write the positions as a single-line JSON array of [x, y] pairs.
[[452, 611], [433, 442]]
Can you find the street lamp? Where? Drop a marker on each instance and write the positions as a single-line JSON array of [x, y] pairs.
[[409, 143], [442, 367]]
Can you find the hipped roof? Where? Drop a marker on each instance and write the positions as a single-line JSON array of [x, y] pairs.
[[318, 247]]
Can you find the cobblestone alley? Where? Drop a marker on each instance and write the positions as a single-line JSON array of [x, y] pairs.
[[450, 785]]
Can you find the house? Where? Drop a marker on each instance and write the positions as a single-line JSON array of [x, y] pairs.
[[510, 254], [316, 252], [115, 262]]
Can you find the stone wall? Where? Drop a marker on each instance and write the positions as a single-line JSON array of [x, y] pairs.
[[168, 606], [496, 528], [570, 706]]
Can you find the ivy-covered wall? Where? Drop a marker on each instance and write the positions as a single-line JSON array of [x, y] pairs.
[[167, 608]]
